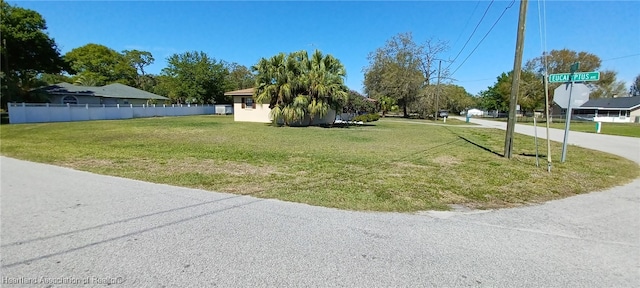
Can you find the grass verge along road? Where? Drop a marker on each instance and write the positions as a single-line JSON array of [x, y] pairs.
[[385, 166], [618, 129]]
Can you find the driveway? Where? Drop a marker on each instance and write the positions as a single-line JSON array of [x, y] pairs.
[[63, 227]]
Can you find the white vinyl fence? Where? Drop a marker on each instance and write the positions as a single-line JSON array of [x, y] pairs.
[[45, 112]]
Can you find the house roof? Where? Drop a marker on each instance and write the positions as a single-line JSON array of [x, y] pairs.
[[115, 90], [612, 103], [242, 92]]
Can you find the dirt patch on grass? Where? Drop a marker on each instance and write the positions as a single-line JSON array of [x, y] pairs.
[[407, 165], [88, 163], [173, 166], [208, 166], [447, 160], [244, 189], [452, 198]]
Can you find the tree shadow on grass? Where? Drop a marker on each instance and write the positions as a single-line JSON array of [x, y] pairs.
[[533, 155], [497, 153], [346, 125], [335, 125], [480, 146]]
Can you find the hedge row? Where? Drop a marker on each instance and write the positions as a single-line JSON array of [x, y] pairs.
[[367, 117]]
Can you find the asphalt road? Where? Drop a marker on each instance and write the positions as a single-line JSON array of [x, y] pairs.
[[64, 226]]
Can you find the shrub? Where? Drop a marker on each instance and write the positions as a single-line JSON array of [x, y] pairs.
[[366, 117], [359, 118], [373, 117]]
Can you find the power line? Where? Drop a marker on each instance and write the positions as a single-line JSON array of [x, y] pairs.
[[485, 36], [540, 27], [621, 57], [472, 33], [465, 25], [476, 80]]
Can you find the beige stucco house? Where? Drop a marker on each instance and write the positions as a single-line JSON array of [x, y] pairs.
[[245, 109]]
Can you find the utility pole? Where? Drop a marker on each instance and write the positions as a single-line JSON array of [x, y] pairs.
[[547, 108], [517, 64], [438, 89]]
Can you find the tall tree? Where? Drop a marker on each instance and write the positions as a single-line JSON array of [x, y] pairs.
[[491, 100], [239, 77], [404, 70], [102, 64], [139, 60], [359, 103], [194, 77], [635, 87], [560, 61], [298, 86], [54, 78], [429, 54], [26, 50], [530, 94], [608, 86], [394, 71], [455, 98]]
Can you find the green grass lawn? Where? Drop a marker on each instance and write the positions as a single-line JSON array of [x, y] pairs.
[[619, 129], [386, 166], [450, 121]]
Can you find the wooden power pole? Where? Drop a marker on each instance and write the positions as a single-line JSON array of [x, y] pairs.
[[515, 82], [438, 90]]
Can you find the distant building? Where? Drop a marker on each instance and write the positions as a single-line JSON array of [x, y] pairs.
[[116, 93], [621, 109]]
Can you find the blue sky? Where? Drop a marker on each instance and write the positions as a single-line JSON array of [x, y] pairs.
[[244, 31]]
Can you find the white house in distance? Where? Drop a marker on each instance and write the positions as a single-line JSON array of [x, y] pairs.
[[475, 112], [245, 109]]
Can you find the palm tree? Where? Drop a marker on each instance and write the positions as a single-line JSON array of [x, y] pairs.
[[317, 107], [386, 104], [87, 79], [296, 86]]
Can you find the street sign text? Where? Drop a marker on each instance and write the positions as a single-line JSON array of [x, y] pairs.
[[577, 77]]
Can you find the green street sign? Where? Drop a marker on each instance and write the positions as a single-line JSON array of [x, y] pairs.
[[577, 77], [574, 67]]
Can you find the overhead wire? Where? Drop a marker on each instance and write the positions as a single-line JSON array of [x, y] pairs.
[[476, 80], [468, 20], [485, 36], [470, 36], [540, 28], [543, 45], [544, 27], [621, 57]]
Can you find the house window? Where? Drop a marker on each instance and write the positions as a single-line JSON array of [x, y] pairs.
[[247, 102], [69, 100]]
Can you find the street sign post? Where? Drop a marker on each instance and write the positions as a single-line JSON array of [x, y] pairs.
[[577, 77], [571, 78]]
